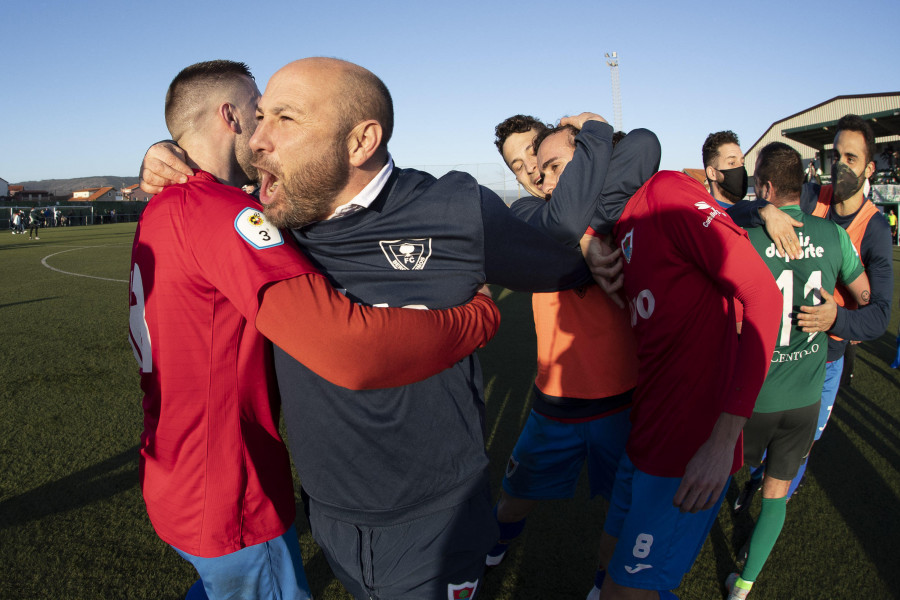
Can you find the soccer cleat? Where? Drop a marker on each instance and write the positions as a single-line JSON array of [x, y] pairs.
[[743, 500], [495, 556], [737, 588]]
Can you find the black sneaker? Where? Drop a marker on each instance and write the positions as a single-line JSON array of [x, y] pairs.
[[746, 496]]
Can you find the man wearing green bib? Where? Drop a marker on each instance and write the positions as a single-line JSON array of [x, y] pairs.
[[784, 420]]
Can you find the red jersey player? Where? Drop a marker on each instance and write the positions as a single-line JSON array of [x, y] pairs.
[[210, 277], [685, 260]]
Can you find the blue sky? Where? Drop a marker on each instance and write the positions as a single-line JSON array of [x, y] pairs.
[[84, 82]]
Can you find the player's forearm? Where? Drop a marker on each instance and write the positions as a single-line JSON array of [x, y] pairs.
[[746, 213], [361, 347], [725, 432], [869, 322], [522, 258]]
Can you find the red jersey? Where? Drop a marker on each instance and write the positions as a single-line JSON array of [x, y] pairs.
[[214, 471], [685, 260]]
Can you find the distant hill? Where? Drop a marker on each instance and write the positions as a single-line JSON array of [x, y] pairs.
[[65, 187]]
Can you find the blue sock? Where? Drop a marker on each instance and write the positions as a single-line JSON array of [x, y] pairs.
[[599, 576], [795, 482], [508, 532]]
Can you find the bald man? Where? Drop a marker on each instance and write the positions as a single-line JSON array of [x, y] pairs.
[[398, 482], [206, 268]]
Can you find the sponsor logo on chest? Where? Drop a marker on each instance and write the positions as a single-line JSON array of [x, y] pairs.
[[407, 254]]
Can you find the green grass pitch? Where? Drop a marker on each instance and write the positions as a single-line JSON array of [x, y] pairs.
[[73, 525]]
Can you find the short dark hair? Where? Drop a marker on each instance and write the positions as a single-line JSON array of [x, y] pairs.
[[858, 124], [543, 135], [191, 87], [516, 124], [714, 141], [779, 163]]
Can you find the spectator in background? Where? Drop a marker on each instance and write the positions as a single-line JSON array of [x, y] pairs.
[[34, 223], [812, 174]]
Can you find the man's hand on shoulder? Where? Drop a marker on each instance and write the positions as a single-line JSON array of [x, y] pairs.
[[164, 164], [578, 121], [780, 227]]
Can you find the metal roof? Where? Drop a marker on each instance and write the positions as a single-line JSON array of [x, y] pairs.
[[819, 135], [813, 129]]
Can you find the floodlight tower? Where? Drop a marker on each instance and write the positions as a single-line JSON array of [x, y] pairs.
[[612, 61]]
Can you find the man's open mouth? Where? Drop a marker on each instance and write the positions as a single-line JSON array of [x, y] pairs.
[[268, 186]]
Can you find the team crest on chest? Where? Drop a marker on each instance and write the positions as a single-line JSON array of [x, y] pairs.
[[462, 591], [628, 245], [407, 254]]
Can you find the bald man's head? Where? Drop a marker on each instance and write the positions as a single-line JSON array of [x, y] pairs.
[[356, 93], [200, 88]]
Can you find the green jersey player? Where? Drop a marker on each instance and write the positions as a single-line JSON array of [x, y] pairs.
[[784, 420]]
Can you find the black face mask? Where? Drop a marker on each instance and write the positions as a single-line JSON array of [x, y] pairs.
[[735, 183], [844, 181]]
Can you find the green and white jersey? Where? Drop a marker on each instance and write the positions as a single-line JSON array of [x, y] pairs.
[[797, 371]]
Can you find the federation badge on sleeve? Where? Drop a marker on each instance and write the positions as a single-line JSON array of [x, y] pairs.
[[462, 591], [251, 224]]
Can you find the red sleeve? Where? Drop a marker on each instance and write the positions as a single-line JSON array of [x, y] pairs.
[[755, 288], [360, 347], [722, 250], [235, 247]]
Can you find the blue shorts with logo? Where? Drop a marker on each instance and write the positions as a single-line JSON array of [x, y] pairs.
[[657, 543], [547, 459]]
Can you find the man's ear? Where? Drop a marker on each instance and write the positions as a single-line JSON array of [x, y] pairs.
[[711, 174], [363, 141], [870, 169], [229, 117]]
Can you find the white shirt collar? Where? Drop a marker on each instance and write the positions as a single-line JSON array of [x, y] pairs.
[[368, 194]]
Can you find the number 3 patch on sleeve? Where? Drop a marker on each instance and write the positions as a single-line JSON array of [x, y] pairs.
[[257, 232]]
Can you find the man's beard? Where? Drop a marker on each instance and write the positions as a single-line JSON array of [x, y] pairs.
[[307, 195]]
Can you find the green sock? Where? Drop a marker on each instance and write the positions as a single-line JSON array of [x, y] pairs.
[[742, 584], [765, 534]]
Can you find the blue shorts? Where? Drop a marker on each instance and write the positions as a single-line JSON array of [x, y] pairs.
[[657, 543], [270, 570], [833, 372], [547, 459]]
